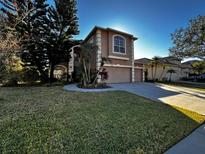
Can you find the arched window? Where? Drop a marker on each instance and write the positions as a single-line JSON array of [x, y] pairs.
[[119, 44]]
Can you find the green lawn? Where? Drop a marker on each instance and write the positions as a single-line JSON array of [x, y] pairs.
[[50, 120]]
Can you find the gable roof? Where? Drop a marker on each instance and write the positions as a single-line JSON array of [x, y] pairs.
[[162, 60], [142, 61], [108, 29]]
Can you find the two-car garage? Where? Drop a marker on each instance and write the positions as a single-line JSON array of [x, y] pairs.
[[123, 74], [118, 75]]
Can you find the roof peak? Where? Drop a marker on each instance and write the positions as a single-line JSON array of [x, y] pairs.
[[109, 29]]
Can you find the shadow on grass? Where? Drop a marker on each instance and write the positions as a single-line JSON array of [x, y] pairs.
[[49, 118]]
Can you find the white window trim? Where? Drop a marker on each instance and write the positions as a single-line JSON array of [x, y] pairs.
[[113, 44], [124, 66], [116, 57]]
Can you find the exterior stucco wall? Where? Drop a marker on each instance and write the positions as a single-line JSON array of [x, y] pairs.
[[128, 48], [105, 42], [121, 62], [107, 49], [164, 75]]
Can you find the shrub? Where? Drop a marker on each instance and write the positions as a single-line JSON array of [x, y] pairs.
[[11, 79], [30, 75]]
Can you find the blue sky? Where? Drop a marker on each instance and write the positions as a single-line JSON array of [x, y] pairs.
[[152, 21]]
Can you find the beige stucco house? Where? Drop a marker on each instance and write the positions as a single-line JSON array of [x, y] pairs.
[[118, 47], [166, 63]]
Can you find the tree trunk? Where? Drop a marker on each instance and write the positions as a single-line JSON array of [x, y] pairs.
[[51, 72], [89, 73], [162, 73], [43, 74], [84, 80], [85, 72], [96, 76]]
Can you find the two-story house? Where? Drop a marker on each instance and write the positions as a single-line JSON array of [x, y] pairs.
[[118, 47]]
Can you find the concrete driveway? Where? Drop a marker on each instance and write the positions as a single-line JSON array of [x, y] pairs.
[[178, 96]]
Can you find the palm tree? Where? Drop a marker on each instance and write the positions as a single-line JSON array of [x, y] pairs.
[[163, 69], [87, 50], [155, 63], [171, 71], [152, 66]]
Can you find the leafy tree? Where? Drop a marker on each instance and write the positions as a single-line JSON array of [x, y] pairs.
[[170, 71], [46, 32], [199, 67], [13, 12], [190, 41], [9, 62]]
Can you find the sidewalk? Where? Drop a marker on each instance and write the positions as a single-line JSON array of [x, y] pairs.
[[192, 144]]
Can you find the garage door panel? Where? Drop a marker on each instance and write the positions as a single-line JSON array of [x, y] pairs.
[[138, 75], [118, 75]]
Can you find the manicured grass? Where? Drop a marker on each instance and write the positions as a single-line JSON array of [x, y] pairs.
[[50, 120]]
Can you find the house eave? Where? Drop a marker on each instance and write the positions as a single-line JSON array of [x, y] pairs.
[[107, 29]]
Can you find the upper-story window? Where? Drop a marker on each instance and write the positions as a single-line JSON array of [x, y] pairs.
[[119, 44]]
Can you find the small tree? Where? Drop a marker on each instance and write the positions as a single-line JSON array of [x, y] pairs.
[[88, 76], [87, 50], [170, 71]]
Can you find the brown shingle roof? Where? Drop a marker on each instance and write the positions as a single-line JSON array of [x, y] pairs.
[[142, 61]]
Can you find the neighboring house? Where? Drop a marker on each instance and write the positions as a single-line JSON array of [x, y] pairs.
[[166, 63], [143, 63], [118, 47]]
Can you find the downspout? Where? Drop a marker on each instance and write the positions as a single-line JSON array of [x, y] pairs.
[[133, 63]]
